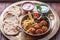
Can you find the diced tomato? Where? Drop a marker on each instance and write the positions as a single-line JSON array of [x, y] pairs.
[[36, 15]]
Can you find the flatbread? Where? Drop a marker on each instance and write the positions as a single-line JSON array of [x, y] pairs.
[[10, 30], [11, 22]]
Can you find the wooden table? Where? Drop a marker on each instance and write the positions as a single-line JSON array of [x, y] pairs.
[[55, 6]]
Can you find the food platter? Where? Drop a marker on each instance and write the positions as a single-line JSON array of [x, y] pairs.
[[21, 35]]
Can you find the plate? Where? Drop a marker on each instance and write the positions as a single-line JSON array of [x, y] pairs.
[[22, 36]]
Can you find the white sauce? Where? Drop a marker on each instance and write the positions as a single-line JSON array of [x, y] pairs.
[[44, 9], [28, 6]]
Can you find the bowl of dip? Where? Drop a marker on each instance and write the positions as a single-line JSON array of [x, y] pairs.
[[43, 8], [28, 6]]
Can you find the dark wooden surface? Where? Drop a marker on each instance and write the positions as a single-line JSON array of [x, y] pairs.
[[36, 0], [55, 6]]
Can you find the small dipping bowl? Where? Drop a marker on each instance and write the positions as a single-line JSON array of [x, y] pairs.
[[43, 8], [28, 6], [36, 19]]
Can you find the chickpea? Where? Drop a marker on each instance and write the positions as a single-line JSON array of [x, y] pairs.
[[44, 28], [31, 30], [40, 24], [39, 31], [36, 26], [43, 22]]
